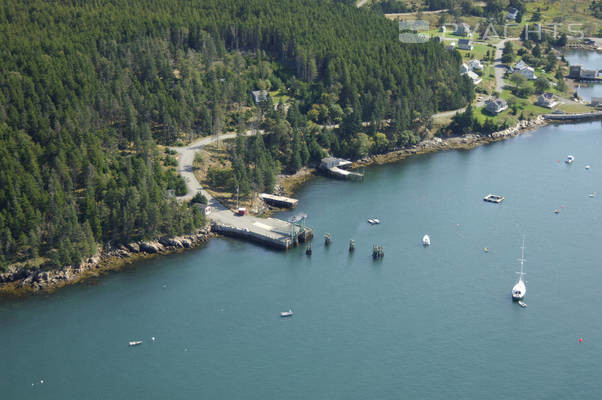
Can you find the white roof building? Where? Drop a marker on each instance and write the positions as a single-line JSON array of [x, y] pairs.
[[475, 64], [528, 72], [476, 79]]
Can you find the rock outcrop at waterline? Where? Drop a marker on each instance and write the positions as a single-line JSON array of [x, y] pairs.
[[22, 280], [463, 142]]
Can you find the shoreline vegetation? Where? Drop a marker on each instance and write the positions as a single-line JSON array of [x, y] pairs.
[[22, 282], [17, 282]]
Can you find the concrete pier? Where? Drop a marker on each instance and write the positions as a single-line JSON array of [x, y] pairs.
[[272, 232], [570, 117], [267, 231]]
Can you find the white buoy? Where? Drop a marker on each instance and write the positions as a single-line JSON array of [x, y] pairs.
[[153, 338]]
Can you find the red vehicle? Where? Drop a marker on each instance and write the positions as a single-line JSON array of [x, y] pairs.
[[241, 211]]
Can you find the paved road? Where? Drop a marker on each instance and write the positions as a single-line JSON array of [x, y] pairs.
[[397, 15], [186, 166], [500, 69]]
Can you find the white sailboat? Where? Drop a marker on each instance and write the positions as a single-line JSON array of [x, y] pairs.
[[520, 289], [426, 240]]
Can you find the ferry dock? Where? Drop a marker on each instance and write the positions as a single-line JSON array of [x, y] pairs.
[[271, 232]]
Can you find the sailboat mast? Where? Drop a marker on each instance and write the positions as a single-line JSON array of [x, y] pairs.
[[522, 258]]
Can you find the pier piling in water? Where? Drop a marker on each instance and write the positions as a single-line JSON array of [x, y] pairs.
[[378, 252]]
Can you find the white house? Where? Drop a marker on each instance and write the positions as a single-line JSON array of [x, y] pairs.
[[476, 79], [475, 65], [465, 44], [260, 95], [331, 162], [512, 14], [546, 100], [520, 65], [496, 105], [528, 72]]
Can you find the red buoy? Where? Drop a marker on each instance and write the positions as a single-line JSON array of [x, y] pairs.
[[580, 340]]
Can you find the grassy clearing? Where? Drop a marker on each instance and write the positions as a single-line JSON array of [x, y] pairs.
[[565, 12]]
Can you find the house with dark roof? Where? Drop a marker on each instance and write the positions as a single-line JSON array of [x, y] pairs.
[[546, 100], [496, 105], [259, 96], [465, 44]]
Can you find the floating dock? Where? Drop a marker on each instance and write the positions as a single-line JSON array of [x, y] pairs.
[[271, 232], [279, 201], [494, 198]]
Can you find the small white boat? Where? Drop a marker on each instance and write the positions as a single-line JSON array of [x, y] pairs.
[[288, 313], [522, 304], [592, 195], [520, 289], [569, 159], [135, 342], [426, 240], [587, 166], [374, 221]]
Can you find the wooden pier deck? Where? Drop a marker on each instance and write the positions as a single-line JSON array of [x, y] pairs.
[[279, 201]]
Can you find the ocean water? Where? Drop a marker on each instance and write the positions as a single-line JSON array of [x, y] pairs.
[[589, 60], [435, 322]]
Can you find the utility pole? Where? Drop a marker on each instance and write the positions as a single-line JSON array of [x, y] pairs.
[[237, 197]]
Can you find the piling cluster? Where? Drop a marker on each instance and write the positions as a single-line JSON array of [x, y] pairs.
[[378, 252]]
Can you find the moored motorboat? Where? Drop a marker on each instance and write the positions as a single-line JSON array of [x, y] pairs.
[[569, 159], [135, 342], [522, 304], [288, 313], [374, 221], [426, 240]]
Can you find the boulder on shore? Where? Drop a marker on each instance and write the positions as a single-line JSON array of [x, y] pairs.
[[150, 247], [133, 247]]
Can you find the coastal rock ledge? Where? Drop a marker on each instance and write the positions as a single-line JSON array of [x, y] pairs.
[[30, 280]]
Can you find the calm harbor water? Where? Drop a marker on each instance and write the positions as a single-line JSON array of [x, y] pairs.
[[589, 60], [434, 322]]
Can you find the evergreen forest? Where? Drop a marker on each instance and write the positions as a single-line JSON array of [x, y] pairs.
[[93, 91]]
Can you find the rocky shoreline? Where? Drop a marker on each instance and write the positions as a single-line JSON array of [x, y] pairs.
[[25, 281], [465, 142]]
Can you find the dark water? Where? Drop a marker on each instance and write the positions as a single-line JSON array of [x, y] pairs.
[[589, 60], [434, 323]]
